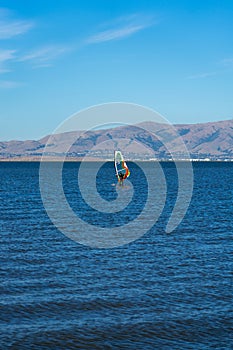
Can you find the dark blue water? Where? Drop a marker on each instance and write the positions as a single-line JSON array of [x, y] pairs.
[[163, 291]]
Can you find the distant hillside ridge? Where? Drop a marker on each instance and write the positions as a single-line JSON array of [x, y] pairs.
[[212, 140]]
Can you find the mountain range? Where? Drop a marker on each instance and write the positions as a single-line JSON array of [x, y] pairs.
[[209, 141]]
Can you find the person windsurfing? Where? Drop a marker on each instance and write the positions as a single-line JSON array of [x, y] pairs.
[[122, 171], [121, 178]]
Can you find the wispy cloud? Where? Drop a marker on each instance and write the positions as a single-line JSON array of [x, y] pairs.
[[10, 27], [9, 84], [114, 34], [44, 56], [223, 66], [202, 75], [6, 55], [227, 62], [122, 27]]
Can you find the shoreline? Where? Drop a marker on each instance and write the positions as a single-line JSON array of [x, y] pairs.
[[38, 160]]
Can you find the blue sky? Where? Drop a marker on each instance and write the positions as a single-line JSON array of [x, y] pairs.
[[57, 57]]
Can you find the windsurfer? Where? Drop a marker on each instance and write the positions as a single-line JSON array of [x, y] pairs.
[[122, 171], [121, 177]]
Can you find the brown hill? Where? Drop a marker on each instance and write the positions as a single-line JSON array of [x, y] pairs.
[[205, 140]]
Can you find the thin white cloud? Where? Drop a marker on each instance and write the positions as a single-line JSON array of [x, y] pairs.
[[202, 75], [122, 27], [223, 66], [10, 27], [114, 34], [44, 56], [4, 70], [9, 84], [5, 56], [227, 62]]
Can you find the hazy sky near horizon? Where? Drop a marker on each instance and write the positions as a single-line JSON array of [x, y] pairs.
[[58, 57]]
